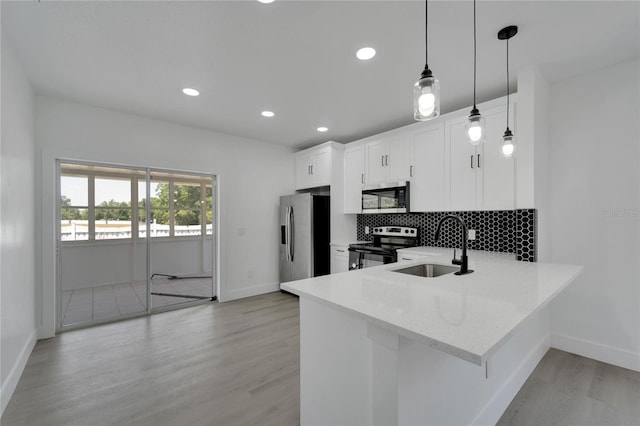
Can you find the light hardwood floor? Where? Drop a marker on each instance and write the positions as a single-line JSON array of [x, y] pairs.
[[567, 389], [237, 363], [213, 364]]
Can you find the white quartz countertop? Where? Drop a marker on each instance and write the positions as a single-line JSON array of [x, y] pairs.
[[467, 316]]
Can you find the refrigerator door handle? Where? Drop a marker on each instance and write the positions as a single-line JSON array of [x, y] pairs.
[[291, 236], [286, 232]]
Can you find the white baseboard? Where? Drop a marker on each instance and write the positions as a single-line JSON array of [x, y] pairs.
[[492, 412], [9, 386], [249, 291], [609, 354]]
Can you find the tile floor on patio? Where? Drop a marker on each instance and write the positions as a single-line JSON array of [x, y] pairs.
[[107, 302]]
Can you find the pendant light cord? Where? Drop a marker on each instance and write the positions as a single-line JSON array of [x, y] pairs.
[[474, 54], [426, 33], [508, 84]]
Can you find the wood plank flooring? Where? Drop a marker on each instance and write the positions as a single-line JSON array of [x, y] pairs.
[[567, 389], [214, 364], [237, 363]]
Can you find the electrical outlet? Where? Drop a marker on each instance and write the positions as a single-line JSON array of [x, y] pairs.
[[366, 230], [472, 234], [241, 232]]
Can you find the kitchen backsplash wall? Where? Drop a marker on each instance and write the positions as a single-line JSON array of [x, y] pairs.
[[511, 231]]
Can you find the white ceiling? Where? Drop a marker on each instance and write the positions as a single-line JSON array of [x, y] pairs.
[[296, 58]]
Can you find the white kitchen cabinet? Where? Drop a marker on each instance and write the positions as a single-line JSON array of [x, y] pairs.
[[480, 178], [339, 259], [353, 178], [406, 257], [313, 167], [388, 159], [427, 190]]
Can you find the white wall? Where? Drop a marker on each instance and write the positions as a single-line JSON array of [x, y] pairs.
[[251, 177], [17, 240], [594, 198]]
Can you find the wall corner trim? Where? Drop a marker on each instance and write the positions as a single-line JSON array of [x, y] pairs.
[[9, 386]]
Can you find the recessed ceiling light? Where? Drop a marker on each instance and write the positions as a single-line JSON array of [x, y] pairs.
[[265, 1], [322, 129], [267, 114], [366, 53], [190, 92]]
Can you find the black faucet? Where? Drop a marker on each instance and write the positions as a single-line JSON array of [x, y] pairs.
[[463, 261]]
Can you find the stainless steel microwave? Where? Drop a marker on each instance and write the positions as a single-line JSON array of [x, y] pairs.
[[386, 198]]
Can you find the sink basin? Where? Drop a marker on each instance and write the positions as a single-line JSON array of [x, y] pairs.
[[427, 270]]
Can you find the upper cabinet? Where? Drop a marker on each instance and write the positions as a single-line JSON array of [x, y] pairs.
[[388, 159], [480, 178], [353, 178], [445, 171], [428, 171], [313, 167]]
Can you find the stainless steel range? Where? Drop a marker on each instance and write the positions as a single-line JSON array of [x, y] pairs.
[[386, 240]]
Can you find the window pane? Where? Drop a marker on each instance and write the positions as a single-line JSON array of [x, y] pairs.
[[160, 195], [186, 196], [73, 224], [113, 192], [209, 209], [142, 223], [142, 192], [110, 224], [160, 223], [74, 191], [187, 223]]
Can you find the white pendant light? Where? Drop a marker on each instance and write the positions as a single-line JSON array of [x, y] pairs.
[[507, 139], [426, 91], [475, 124]]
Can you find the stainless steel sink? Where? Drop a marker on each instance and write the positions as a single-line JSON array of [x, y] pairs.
[[427, 270]]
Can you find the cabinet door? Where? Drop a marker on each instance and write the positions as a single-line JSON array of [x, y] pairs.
[[428, 181], [376, 169], [399, 160], [407, 257], [321, 167], [496, 189], [353, 179], [462, 167], [339, 259], [303, 171]]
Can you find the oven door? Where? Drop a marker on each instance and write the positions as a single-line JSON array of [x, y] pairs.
[[359, 259]]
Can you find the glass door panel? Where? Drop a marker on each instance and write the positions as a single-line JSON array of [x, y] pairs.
[[101, 277], [182, 260]]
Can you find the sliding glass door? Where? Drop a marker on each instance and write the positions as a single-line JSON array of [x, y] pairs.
[[132, 241]]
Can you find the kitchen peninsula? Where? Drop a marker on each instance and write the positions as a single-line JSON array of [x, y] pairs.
[[382, 347]]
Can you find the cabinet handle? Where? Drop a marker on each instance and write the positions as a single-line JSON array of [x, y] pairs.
[[386, 160], [362, 177], [478, 160], [312, 169], [341, 251], [308, 170], [472, 161], [410, 171], [382, 160]]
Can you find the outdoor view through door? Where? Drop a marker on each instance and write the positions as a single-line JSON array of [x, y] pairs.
[[132, 241]]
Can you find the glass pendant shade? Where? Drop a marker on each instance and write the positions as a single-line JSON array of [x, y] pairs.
[[426, 97], [507, 145], [475, 127]]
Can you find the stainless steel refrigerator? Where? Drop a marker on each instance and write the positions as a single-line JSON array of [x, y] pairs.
[[304, 236]]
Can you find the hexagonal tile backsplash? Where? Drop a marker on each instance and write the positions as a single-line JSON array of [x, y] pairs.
[[511, 231]]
